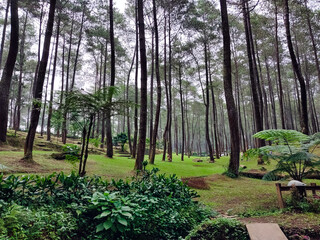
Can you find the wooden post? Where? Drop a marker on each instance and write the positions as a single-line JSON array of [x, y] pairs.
[[313, 190], [279, 194]]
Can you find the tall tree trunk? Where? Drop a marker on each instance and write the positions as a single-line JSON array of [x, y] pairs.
[[151, 92], [135, 131], [165, 133], [39, 49], [170, 89], [112, 80], [128, 108], [4, 31], [36, 107], [314, 45], [52, 82], [297, 70], [227, 82], [253, 80], [78, 48], [157, 68], [143, 89], [6, 78], [21, 70], [207, 105], [278, 68], [64, 123], [103, 125], [182, 112], [46, 94]]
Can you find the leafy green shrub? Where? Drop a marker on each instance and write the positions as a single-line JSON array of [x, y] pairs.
[[150, 207], [95, 141], [72, 152], [219, 229], [55, 189], [22, 223], [292, 150], [120, 138]]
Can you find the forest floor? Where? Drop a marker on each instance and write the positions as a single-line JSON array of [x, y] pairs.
[[247, 199]]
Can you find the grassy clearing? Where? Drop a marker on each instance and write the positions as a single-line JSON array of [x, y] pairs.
[[253, 199]]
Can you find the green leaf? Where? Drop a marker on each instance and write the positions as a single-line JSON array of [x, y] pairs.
[[122, 221], [127, 214], [104, 214], [107, 224], [99, 228]]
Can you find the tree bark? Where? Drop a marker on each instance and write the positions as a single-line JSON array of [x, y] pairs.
[[227, 82], [6, 78], [52, 82], [135, 131], [207, 105], [21, 69], [157, 68], [314, 45], [297, 70], [4, 31], [36, 107], [182, 113], [78, 48], [112, 80], [143, 96]]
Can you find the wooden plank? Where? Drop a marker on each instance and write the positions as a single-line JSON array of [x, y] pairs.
[[287, 188], [313, 190], [279, 195], [265, 231]]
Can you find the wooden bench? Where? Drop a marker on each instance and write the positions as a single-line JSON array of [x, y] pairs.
[[313, 187]]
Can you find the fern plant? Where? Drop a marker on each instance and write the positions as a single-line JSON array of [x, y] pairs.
[[293, 151]]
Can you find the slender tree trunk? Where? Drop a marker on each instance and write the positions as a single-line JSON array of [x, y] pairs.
[[86, 153], [4, 31], [253, 80], [45, 95], [64, 123], [112, 81], [182, 112], [165, 133], [103, 125], [207, 105], [314, 45], [227, 82], [6, 78], [39, 49], [135, 132], [128, 108], [39, 85], [78, 48], [21, 70], [151, 92], [157, 68], [278, 67], [52, 82], [170, 90], [297, 70], [143, 89]]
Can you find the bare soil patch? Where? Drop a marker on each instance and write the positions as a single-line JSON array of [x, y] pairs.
[[196, 182]]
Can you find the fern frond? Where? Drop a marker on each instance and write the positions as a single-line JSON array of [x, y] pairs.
[[281, 136]]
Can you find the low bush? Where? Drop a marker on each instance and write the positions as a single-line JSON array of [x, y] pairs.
[[21, 223], [151, 206], [219, 229]]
